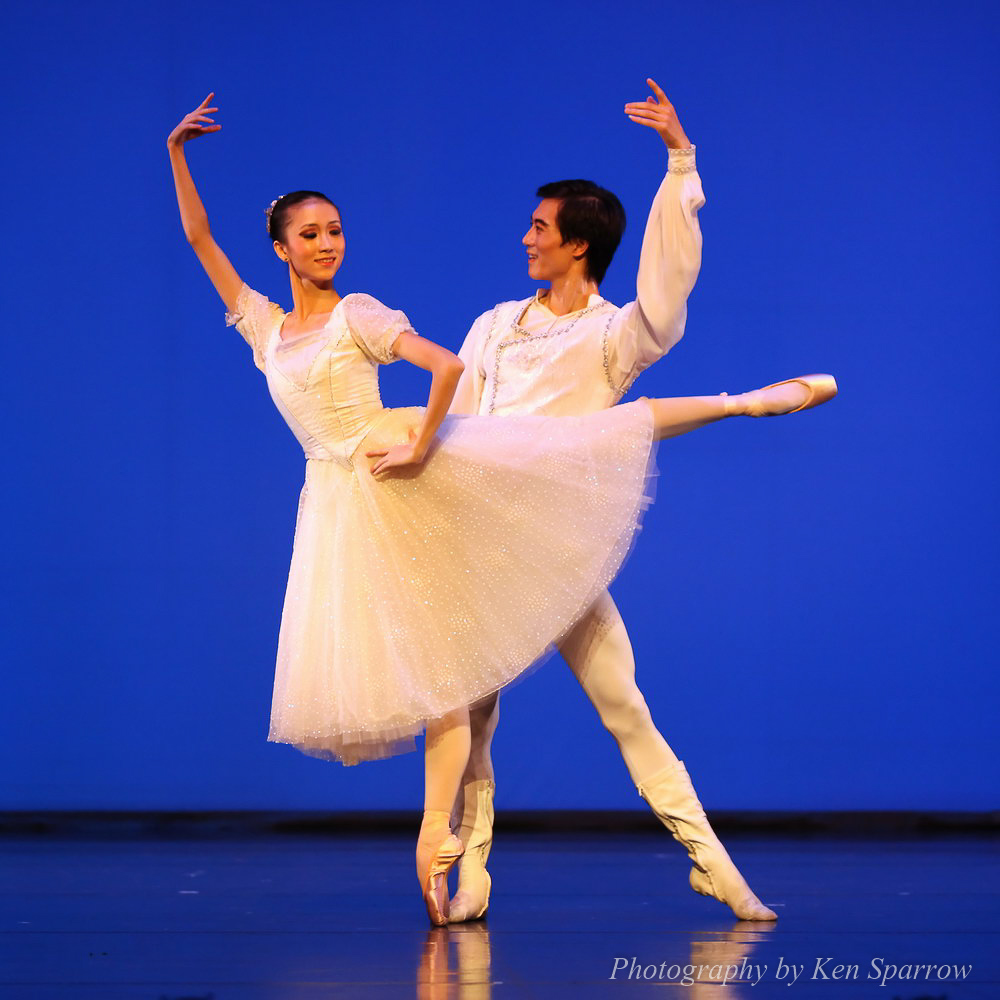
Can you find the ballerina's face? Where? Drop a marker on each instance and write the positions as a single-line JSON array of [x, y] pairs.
[[548, 256], [314, 241]]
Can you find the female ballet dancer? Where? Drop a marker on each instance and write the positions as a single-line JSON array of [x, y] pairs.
[[413, 594]]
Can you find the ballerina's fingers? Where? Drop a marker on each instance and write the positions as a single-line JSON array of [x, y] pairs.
[[203, 108], [199, 124], [379, 453]]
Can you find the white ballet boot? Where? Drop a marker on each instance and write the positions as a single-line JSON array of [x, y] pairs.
[[472, 898], [671, 796]]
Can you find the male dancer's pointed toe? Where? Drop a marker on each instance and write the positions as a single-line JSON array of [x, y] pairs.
[[744, 905], [471, 903], [672, 798]]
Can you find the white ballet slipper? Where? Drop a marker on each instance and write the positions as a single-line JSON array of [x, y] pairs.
[[472, 898], [672, 798]]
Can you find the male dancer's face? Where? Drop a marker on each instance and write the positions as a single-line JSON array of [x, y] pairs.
[[548, 257]]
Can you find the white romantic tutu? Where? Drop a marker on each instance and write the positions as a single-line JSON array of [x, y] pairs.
[[426, 589]]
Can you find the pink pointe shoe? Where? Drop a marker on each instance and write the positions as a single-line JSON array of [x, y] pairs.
[[822, 388], [435, 882]]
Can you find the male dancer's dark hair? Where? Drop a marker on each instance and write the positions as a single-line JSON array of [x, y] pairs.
[[591, 213]]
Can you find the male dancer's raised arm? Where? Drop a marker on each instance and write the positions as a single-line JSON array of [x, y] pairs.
[[670, 260], [627, 340]]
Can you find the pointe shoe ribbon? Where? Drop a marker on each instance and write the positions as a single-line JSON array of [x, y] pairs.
[[822, 388], [672, 798], [435, 885]]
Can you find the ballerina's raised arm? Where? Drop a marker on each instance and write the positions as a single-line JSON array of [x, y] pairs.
[[194, 218]]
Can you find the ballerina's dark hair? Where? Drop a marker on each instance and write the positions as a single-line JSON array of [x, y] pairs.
[[277, 213]]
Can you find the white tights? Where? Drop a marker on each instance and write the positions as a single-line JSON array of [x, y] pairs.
[[446, 754], [599, 653]]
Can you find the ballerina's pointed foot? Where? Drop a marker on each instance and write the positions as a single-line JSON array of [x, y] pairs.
[[779, 398], [434, 879], [738, 897]]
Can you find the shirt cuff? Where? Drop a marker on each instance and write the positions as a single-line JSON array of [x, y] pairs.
[[681, 161]]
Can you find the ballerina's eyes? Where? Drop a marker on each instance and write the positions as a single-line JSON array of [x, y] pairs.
[[310, 236]]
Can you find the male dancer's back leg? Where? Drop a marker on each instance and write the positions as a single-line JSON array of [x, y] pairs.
[[599, 653]]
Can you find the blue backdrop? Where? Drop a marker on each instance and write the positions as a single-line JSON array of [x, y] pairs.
[[812, 599]]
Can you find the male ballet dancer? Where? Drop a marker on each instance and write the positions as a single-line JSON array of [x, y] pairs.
[[568, 351]]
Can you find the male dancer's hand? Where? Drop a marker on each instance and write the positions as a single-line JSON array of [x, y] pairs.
[[659, 113]]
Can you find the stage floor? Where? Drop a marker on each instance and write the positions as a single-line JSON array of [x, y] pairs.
[[296, 917]]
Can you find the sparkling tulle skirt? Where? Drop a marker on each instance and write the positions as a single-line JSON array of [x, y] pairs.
[[425, 590]]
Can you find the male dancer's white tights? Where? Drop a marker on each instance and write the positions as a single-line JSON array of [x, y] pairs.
[[599, 653]]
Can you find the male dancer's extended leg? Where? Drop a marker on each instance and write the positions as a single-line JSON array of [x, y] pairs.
[[599, 653]]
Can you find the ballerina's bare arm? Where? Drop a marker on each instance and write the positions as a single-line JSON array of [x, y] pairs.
[[445, 369], [193, 216]]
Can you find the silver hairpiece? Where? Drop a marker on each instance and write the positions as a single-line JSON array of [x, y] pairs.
[[270, 209]]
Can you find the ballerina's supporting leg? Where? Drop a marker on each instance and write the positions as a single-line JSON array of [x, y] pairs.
[[446, 755]]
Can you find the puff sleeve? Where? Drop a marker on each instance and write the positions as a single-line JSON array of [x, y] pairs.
[[374, 326], [256, 318]]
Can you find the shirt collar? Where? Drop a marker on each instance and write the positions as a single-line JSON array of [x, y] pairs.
[[594, 300]]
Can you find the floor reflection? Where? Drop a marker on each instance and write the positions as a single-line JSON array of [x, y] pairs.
[[456, 962], [724, 961]]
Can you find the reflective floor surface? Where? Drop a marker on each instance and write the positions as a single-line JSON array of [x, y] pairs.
[[602, 915]]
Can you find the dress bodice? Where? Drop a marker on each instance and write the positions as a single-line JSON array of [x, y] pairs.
[[324, 383]]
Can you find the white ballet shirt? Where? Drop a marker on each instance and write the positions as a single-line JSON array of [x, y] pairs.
[[521, 358]]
